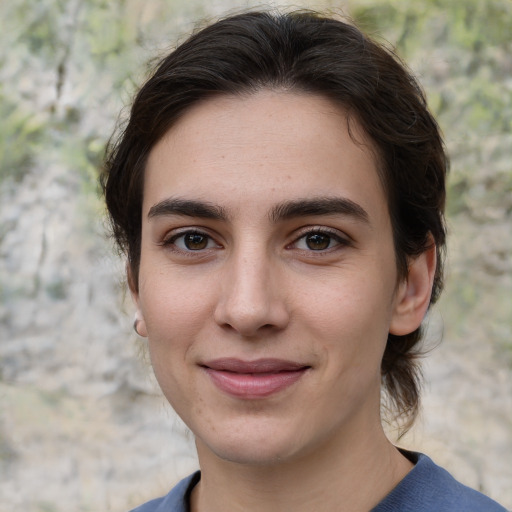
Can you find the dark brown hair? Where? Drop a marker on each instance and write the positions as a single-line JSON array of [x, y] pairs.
[[303, 52]]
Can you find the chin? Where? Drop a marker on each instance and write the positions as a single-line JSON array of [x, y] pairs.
[[252, 455], [251, 448]]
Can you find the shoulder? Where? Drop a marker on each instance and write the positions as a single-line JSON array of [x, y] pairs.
[[429, 487], [177, 499]]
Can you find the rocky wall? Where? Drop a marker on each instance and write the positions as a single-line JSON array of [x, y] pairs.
[[82, 424]]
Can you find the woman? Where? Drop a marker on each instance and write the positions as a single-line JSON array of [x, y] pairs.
[[279, 192]]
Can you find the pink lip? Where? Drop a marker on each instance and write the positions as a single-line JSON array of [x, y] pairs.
[[253, 379]]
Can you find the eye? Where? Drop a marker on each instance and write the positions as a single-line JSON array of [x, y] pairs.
[[191, 241], [318, 240]]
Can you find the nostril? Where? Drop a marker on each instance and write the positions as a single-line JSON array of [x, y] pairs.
[[248, 307]]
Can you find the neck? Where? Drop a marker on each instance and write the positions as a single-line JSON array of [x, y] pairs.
[[353, 475]]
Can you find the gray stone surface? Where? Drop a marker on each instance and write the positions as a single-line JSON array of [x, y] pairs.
[[83, 426]]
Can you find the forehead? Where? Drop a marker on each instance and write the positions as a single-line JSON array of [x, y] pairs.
[[261, 148]]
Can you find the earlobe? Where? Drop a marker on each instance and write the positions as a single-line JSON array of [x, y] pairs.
[[413, 295], [139, 323]]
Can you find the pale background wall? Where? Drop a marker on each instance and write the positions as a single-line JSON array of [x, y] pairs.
[[82, 425]]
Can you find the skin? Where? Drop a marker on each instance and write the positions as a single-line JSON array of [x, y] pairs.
[[254, 279]]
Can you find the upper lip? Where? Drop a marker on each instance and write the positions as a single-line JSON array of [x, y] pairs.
[[268, 365]]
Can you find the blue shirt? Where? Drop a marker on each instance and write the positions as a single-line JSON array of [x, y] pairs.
[[426, 488]]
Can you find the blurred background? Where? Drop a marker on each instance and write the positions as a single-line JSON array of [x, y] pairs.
[[82, 425]]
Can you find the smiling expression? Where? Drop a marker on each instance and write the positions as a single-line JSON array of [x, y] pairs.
[[268, 279]]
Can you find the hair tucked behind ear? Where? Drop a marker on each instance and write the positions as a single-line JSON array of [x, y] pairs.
[[308, 53], [401, 377]]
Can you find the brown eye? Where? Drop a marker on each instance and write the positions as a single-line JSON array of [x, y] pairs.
[[195, 241], [317, 241], [320, 240], [190, 241]]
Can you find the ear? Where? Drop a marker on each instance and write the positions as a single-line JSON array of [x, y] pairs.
[[139, 323], [413, 295]]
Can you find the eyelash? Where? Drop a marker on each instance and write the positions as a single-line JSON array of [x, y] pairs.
[[170, 241], [330, 234]]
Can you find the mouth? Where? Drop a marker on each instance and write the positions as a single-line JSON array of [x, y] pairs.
[[253, 379]]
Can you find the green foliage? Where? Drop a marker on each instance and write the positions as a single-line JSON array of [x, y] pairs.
[[21, 134], [67, 67], [464, 24], [462, 52]]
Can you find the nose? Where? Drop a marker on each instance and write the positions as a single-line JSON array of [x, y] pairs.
[[252, 298]]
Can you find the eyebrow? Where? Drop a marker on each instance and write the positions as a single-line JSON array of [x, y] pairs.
[[188, 208], [319, 206], [290, 209]]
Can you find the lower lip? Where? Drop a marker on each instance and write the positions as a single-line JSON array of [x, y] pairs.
[[254, 385]]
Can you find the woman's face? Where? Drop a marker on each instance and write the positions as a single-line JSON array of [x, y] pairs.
[[268, 281]]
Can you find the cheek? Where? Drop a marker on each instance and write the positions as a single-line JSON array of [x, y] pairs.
[[170, 322], [351, 322], [171, 305], [354, 351]]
